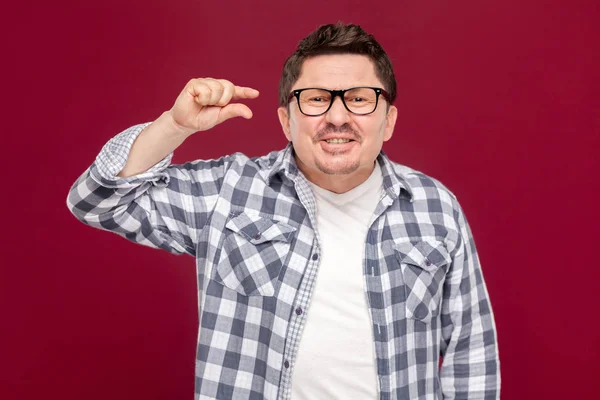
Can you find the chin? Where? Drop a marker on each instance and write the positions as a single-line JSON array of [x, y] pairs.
[[337, 168]]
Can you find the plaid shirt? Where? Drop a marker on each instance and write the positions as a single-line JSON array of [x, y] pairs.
[[249, 224]]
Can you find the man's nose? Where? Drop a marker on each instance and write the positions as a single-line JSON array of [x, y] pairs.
[[337, 115]]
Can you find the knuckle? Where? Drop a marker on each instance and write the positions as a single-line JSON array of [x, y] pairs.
[[196, 81]]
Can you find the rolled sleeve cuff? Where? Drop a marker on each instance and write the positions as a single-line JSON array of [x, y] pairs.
[[113, 157]]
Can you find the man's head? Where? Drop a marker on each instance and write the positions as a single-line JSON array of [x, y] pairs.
[[337, 57]]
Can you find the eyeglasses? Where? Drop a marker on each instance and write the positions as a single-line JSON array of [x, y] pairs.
[[358, 100]]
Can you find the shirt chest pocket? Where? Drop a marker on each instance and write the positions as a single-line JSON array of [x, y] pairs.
[[254, 250], [424, 266]]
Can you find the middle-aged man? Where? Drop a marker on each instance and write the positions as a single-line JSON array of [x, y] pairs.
[[325, 270]]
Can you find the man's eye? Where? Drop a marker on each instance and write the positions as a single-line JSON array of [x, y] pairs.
[[317, 99]]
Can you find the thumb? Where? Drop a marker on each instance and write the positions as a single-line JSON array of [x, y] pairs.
[[234, 110]]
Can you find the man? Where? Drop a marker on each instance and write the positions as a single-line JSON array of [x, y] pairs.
[[325, 271]]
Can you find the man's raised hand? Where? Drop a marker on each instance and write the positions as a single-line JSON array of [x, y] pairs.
[[206, 102]]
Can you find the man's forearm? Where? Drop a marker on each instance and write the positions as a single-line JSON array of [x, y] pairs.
[[154, 143]]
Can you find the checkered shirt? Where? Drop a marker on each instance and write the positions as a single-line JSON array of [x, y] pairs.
[[249, 223]]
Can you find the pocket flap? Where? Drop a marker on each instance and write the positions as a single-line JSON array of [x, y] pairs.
[[428, 255], [257, 229]]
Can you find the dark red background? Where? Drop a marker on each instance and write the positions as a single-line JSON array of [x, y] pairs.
[[497, 99]]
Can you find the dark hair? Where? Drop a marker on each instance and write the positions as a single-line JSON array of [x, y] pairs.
[[337, 38]]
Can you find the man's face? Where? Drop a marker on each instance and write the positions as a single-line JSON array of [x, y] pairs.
[[337, 166]]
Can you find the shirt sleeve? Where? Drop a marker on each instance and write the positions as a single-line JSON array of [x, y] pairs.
[[164, 207], [470, 368]]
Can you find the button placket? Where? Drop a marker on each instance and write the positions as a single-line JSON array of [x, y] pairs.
[[297, 320]]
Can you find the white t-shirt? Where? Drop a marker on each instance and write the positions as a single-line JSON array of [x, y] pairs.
[[336, 357]]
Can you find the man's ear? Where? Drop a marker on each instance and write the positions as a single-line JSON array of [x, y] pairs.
[[284, 120], [390, 123]]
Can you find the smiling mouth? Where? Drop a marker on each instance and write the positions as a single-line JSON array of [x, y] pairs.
[[338, 141]]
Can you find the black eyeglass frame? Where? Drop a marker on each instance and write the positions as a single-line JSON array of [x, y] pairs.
[[340, 93]]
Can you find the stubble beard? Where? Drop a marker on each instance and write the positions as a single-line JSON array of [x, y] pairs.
[[340, 170]]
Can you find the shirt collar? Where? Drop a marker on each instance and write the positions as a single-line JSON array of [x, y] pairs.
[[394, 183], [285, 163]]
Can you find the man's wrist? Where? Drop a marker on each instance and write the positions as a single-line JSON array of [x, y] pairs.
[[170, 127]]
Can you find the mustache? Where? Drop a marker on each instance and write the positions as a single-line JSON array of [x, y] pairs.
[[330, 128]]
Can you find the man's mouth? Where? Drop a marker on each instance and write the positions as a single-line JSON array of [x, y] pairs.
[[337, 145], [338, 141]]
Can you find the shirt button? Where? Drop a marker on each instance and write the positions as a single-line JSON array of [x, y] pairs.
[[299, 311], [286, 364], [421, 312], [427, 262], [257, 236], [315, 257]]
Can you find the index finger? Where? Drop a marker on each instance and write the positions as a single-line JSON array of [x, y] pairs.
[[241, 92]]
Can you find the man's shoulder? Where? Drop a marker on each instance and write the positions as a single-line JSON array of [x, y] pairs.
[[240, 165], [239, 159], [260, 164], [419, 183]]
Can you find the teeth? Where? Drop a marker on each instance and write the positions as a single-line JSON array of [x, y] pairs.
[[337, 141]]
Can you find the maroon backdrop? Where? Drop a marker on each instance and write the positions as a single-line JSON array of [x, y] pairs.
[[497, 99]]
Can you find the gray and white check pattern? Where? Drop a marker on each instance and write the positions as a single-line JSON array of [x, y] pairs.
[[249, 224]]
